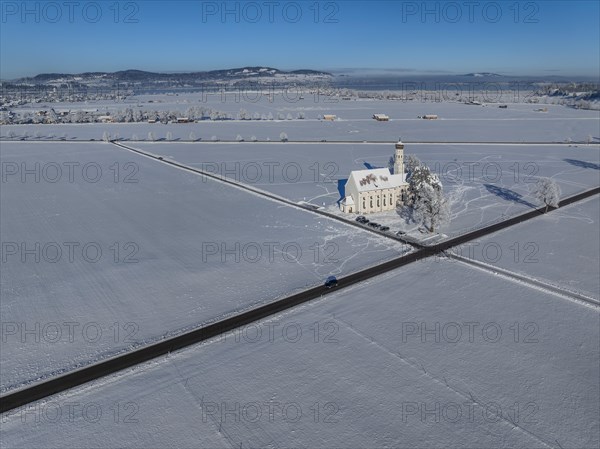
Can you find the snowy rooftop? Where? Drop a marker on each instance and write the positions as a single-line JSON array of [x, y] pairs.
[[374, 179]]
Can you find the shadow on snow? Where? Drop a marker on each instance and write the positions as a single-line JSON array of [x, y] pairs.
[[508, 195], [582, 164]]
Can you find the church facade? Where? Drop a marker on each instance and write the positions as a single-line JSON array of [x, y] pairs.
[[376, 190]]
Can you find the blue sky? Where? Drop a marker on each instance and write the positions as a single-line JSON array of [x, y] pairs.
[[509, 37]]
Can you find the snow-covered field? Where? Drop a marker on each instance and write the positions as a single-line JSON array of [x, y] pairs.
[[127, 249], [484, 182], [457, 122], [560, 248], [104, 250], [433, 355], [316, 103]]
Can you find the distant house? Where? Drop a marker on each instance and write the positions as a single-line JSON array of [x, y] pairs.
[[183, 120], [430, 117], [106, 119], [381, 117], [329, 117], [151, 120], [376, 190]]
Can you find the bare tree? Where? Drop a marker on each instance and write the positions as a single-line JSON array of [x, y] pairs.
[[417, 177], [243, 114], [547, 191], [431, 207], [411, 163], [191, 114], [128, 115], [52, 117]]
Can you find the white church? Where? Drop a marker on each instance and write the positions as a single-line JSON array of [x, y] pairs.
[[376, 190]]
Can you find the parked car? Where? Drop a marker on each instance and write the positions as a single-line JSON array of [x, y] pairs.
[[360, 219], [374, 225], [331, 282], [400, 232], [384, 228]]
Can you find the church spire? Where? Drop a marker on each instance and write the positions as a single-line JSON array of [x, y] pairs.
[[399, 158]]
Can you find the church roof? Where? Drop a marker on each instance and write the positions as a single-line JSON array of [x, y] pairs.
[[375, 179]]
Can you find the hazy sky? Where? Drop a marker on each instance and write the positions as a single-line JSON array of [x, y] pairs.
[[509, 37]]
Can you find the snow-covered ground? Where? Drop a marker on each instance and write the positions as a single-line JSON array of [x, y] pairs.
[[103, 249], [457, 122], [432, 355], [560, 248], [316, 103], [484, 183]]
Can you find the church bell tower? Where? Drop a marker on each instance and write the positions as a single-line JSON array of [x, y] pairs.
[[399, 158]]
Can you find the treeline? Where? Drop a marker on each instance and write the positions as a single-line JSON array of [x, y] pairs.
[[131, 115]]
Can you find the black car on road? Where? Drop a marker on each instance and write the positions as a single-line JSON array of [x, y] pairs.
[[331, 282]]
